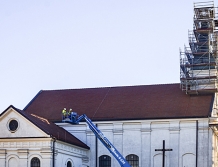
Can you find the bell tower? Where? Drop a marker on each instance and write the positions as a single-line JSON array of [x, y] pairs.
[[198, 61]]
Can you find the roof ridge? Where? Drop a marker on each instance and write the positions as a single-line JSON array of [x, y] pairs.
[[105, 87]]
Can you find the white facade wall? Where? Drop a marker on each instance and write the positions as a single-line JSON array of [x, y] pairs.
[[66, 152], [142, 138], [20, 152]]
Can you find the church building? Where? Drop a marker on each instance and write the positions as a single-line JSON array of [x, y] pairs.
[[169, 125]]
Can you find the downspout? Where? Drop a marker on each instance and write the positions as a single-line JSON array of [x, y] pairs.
[[27, 158], [5, 157], [196, 161], [96, 149], [53, 152]]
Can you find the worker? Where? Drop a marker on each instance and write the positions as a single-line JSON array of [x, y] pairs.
[[69, 113], [64, 113]]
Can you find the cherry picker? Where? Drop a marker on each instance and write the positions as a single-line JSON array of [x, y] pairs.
[[75, 119]]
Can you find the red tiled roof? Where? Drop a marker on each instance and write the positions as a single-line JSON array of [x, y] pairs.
[[122, 103], [50, 128]]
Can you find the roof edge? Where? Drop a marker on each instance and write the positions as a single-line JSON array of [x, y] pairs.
[[11, 106], [32, 100], [138, 119], [103, 87]]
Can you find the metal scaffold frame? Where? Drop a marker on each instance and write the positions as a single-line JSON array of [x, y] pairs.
[[198, 62]]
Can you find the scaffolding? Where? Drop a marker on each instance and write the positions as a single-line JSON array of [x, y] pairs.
[[198, 61]]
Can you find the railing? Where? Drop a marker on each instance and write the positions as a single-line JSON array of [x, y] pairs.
[[203, 4]]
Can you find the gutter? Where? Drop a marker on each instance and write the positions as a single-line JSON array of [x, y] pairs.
[[53, 152]]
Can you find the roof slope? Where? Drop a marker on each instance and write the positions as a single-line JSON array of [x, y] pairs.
[[122, 103], [50, 128]]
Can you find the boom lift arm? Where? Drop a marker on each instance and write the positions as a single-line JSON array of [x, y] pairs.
[[100, 136]]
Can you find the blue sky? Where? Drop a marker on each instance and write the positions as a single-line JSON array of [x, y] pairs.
[[67, 44]]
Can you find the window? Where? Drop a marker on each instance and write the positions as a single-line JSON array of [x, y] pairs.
[[104, 161], [13, 125], [69, 164], [133, 160], [35, 162]]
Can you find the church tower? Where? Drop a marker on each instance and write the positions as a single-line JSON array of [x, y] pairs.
[[198, 62]]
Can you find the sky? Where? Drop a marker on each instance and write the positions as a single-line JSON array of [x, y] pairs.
[[74, 44]]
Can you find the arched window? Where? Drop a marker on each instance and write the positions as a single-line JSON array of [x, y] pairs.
[[69, 164], [35, 162], [133, 160], [104, 161]]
